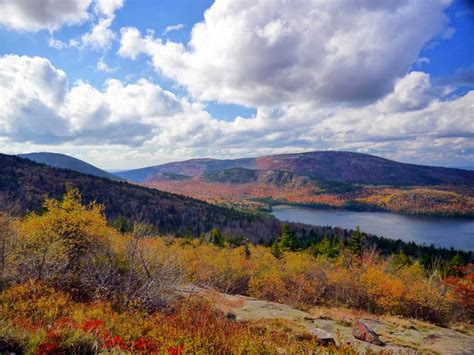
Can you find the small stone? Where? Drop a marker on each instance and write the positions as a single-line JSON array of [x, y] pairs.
[[231, 316], [324, 338]]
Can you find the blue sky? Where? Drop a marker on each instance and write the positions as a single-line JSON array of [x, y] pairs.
[[253, 77]]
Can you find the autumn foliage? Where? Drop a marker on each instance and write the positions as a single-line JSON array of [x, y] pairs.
[[71, 283], [463, 286]]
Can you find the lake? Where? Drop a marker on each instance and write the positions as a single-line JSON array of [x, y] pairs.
[[444, 232]]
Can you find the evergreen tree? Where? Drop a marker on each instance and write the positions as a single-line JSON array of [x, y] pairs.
[[122, 224], [288, 240], [356, 241], [328, 247], [276, 250], [216, 237], [400, 260]]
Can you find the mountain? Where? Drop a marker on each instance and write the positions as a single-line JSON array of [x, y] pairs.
[[363, 169], [67, 162], [24, 183], [345, 167], [323, 179], [190, 168]]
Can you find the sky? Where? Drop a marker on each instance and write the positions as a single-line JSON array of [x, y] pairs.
[[124, 84]]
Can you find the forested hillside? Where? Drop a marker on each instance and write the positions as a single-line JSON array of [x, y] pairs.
[[24, 184]]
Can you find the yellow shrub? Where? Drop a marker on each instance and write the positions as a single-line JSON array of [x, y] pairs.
[[385, 291]]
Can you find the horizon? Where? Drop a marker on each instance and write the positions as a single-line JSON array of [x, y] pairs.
[[246, 157], [123, 84]]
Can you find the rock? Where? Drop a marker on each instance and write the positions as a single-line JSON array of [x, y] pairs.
[[231, 316], [363, 332], [324, 338]]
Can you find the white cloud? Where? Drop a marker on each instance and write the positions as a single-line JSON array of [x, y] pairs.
[[35, 15], [107, 7], [28, 15], [172, 28], [412, 92], [448, 33], [258, 52], [30, 91], [56, 43], [41, 109], [421, 61], [100, 36], [103, 67]]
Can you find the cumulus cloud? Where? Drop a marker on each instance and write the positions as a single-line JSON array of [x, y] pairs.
[[35, 15], [40, 107], [264, 53], [100, 36], [107, 7], [412, 92], [29, 111]]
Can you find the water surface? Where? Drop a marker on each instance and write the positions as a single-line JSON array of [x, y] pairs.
[[440, 231]]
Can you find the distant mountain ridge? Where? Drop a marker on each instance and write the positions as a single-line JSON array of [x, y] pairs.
[[64, 161], [191, 168], [345, 167]]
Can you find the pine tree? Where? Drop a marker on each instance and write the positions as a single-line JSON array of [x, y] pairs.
[[288, 240], [276, 250], [356, 241], [216, 237]]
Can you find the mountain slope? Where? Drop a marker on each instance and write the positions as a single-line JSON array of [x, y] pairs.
[[24, 183], [67, 162], [193, 167], [269, 177], [364, 169], [335, 166]]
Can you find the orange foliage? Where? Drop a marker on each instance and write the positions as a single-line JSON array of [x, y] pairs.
[[192, 327], [419, 200], [242, 195], [463, 285], [384, 291], [416, 200]]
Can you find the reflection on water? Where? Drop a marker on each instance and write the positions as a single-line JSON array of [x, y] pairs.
[[444, 232]]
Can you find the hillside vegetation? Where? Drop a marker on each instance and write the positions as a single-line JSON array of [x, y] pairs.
[[73, 282], [24, 184], [261, 191]]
